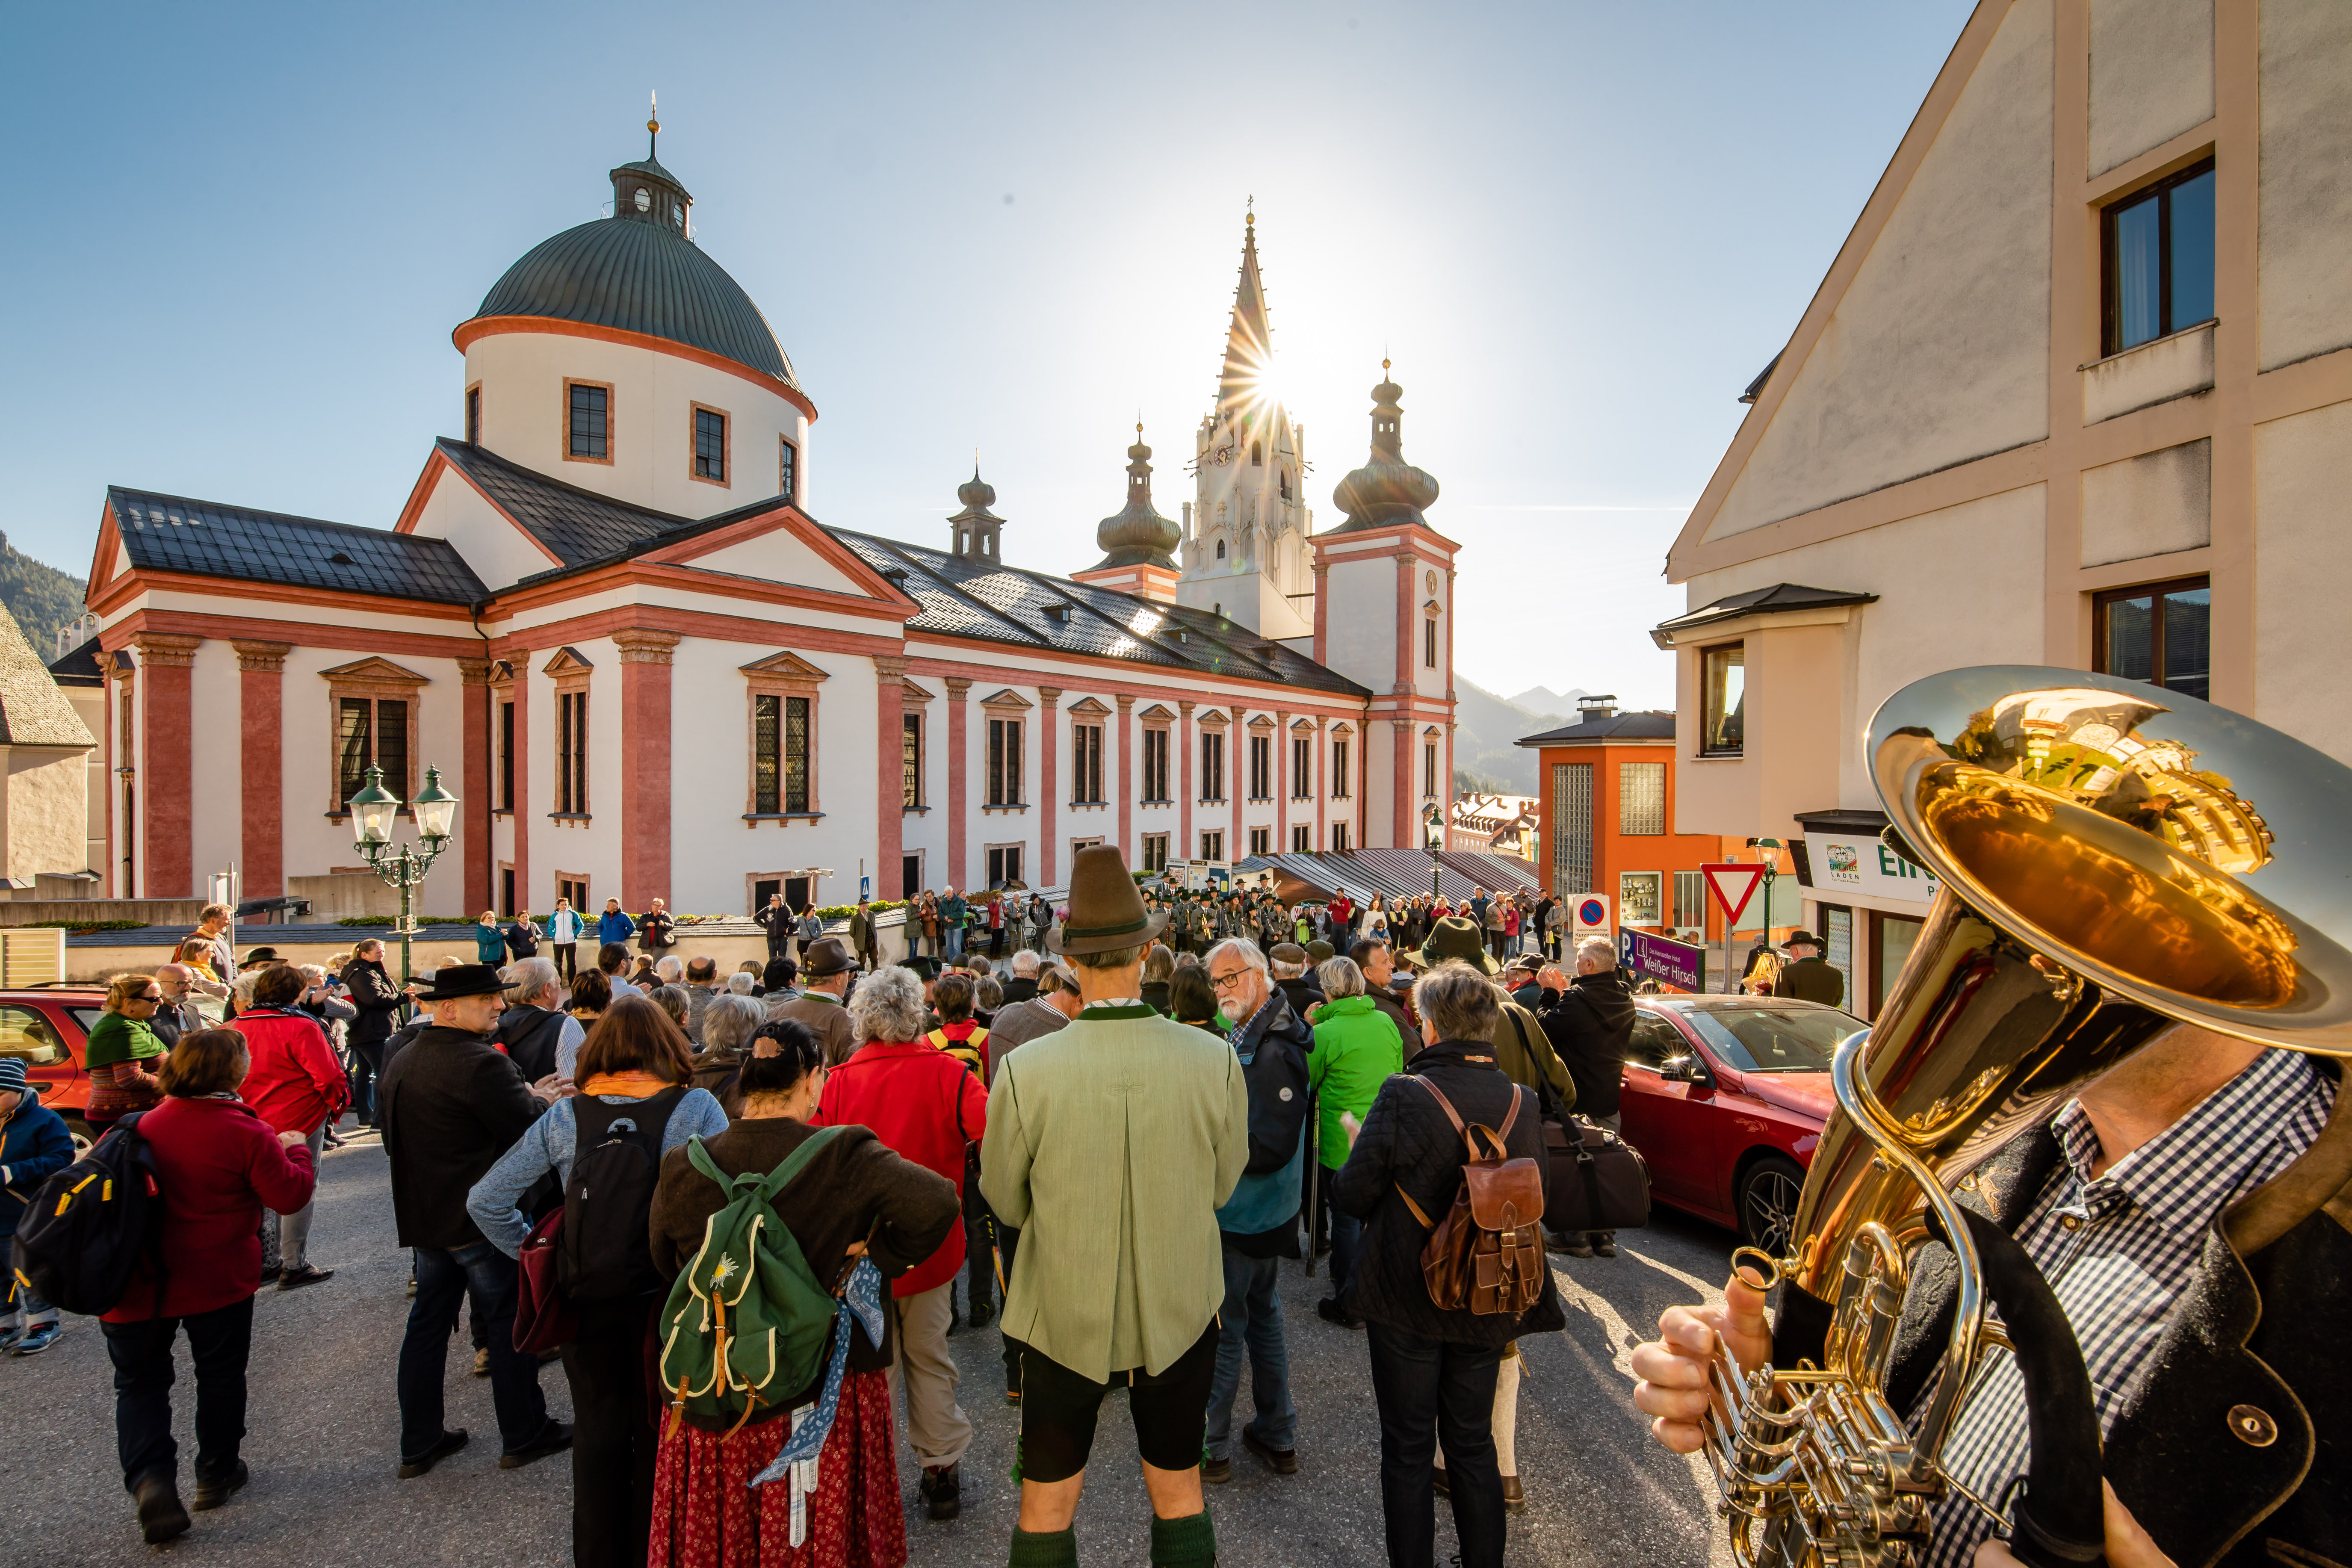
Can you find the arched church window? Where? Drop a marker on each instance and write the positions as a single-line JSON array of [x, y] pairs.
[[1221, 550], [1258, 455], [1285, 484]]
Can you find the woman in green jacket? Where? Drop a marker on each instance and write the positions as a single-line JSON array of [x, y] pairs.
[[123, 1053], [1357, 1049]]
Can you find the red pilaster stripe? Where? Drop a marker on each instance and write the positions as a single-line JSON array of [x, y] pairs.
[[645, 765], [1049, 739], [1185, 847], [889, 780], [959, 760], [262, 765], [1127, 846], [166, 861], [475, 851]]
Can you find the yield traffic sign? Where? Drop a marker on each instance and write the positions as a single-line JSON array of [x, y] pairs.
[[1733, 885]]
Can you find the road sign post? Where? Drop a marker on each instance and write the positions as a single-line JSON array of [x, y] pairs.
[[1732, 885]]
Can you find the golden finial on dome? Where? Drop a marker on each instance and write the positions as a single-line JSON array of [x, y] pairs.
[[653, 124]]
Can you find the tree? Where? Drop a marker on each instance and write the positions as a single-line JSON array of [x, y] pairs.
[[41, 597]]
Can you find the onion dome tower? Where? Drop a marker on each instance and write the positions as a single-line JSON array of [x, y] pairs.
[[1137, 542], [1387, 490], [975, 527]]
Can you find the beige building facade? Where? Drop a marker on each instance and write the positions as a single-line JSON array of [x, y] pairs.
[[2076, 391]]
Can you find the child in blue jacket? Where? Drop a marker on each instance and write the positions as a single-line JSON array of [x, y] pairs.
[[34, 1146]]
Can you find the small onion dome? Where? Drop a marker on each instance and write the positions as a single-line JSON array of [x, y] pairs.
[[1387, 488], [1137, 535], [977, 494]]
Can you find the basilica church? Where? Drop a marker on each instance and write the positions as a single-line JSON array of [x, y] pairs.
[[608, 614]]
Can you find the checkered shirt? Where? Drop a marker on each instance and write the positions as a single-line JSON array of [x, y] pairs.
[[2119, 1250]]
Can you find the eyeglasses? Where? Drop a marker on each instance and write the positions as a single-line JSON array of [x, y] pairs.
[[1226, 982]]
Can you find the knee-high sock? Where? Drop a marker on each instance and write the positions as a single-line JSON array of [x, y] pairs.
[[1190, 1542], [1044, 1549]]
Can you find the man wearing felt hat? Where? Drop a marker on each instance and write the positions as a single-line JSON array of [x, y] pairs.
[[1111, 1142], [827, 966], [1808, 976], [452, 1104]]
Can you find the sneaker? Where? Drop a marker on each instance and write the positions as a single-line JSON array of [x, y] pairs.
[[309, 1274], [269, 1273], [39, 1338], [1330, 1312], [8, 1338], [553, 1438], [1514, 1500], [1283, 1461], [161, 1517], [942, 1489], [482, 1362], [451, 1441], [212, 1494], [1214, 1470], [1604, 1244]]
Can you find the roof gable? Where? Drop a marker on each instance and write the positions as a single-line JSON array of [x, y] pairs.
[[174, 534]]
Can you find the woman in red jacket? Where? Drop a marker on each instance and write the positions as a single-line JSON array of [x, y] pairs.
[[296, 1085], [218, 1166]]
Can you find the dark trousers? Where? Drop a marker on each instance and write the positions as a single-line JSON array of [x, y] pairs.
[[218, 1340], [613, 1438], [1008, 1238], [486, 1277], [367, 1065], [978, 1256], [567, 956], [1428, 1389]]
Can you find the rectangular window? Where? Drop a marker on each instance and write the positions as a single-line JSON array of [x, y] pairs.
[[910, 761], [355, 742], [1429, 767], [767, 724], [1891, 938], [1260, 840], [1085, 764], [1003, 865], [571, 753], [1155, 852], [591, 423], [1004, 761], [2157, 250], [796, 754], [1302, 768], [1155, 764], [1723, 676], [506, 756], [1641, 799], [788, 468], [473, 415], [1339, 844], [1213, 767], [1837, 931], [391, 744], [710, 445], [1637, 897], [2160, 634], [1212, 847], [1429, 642], [1302, 840], [1690, 901], [1339, 770], [1571, 829], [1261, 766]]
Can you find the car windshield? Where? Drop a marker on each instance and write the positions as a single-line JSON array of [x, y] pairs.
[[1775, 1039]]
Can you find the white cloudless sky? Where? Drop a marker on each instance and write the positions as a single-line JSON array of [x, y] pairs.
[[241, 235]]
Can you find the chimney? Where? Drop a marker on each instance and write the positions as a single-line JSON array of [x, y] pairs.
[[1602, 706]]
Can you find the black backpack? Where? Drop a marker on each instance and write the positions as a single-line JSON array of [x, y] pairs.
[[601, 1253], [88, 1227], [530, 1035]]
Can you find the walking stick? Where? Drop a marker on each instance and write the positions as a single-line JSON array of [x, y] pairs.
[[1314, 1174]]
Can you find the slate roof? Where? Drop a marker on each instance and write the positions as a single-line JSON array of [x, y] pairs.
[[174, 534], [1780, 598], [79, 668], [578, 527], [1649, 726], [33, 710]]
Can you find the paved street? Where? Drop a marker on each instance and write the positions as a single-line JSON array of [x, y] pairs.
[[323, 1437]]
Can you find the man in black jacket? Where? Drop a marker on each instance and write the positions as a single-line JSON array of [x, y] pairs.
[[777, 923], [2195, 1191], [534, 1027], [375, 999], [452, 1105], [1590, 1022]]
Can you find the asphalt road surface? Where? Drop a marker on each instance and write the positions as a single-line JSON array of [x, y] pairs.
[[324, 1424]]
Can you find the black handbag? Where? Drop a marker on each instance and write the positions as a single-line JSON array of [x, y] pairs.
[[1593, 1179]]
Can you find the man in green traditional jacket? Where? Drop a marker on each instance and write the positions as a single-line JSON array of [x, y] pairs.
[[1111, 1143]]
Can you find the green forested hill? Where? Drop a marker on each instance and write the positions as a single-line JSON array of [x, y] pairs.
[[41, 597]]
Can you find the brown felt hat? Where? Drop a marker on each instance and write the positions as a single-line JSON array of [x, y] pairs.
[[827, 955], [1454, 937], [1106, 910]]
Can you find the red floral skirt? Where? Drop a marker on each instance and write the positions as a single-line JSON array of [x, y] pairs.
[[705, 1514]]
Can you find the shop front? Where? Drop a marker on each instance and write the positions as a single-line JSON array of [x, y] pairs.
[[1864, 900]]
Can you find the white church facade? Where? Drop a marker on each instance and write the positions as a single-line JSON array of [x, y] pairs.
[[607, 614]]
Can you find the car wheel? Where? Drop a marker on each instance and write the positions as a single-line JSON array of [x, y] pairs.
[[1767, 1203], [83, 1139]]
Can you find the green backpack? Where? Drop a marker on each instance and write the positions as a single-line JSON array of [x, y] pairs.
[[746, 1323]]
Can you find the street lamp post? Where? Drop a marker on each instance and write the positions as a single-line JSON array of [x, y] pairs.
[[373, 808]]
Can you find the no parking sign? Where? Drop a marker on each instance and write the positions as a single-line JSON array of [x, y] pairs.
[[1588, 915]]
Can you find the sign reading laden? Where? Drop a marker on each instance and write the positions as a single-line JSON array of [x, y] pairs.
[[1868, 867]]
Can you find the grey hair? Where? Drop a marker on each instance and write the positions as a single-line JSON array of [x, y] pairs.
[[1025, 963], [670, 967], [1600, 950], [526, 978], [990, 993], [1340, 977], [674, 1001], [729, 1022], [1459, 1003], [739, 984], [1241, 947], [315, 973], [887, 1004], [1282, 970], [1113, 958], [1159, 965]]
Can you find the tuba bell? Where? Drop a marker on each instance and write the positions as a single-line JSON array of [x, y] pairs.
[[2113, 859]]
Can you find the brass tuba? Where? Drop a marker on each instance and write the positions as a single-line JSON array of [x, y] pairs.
[[2113, 859]]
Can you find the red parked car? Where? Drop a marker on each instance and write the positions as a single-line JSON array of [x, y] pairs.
[[1725, 1098], [49, 1029]]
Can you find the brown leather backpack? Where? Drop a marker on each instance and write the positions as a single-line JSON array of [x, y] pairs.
[[1486, 1254]]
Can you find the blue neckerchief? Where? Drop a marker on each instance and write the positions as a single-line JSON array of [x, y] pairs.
[[861, 1301]]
